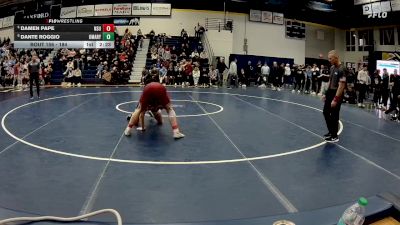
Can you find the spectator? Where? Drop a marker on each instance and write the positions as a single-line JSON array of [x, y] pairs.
[[263, 80], [308, 78], [214, 77], [385, 88], [33, 69], [163, 75], [76, 77], [287, 75], [196, 76], [275, 76], [243, 78], [233, 75], [314, 79], [249, 71], [324, 77], [299, 79], [377, 87], [395, 91], [363, 80]]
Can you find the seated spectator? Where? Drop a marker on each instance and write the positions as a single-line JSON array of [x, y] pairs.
[[145, 73], [76, 77], [155, 74], [125, 72], [204, 78], [196, 75], [163, 75], [188, 73], [99, 72], [47, 73], [179, 77], [213, 75], [123, 57], [182, 56], [154, 57], [167, 53], [174, 50], [171, 75], [160, 51], [194, 54]]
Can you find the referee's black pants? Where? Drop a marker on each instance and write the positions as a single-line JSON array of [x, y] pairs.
[[332, 114], [34, 77]]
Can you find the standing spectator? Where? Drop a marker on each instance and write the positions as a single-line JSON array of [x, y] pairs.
[[258, 72], [287, 75], [249, 71], [377, 87], [264, 75], [385, 88], [232, 74], [314, 79], [308, 78], [324, 78], [363, 81], [243, 78], [299, 77], [33, 69], [395, 92], [221, 67], [275, 76]]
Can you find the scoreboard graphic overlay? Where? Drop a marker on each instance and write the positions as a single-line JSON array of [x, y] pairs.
[[64, 33]]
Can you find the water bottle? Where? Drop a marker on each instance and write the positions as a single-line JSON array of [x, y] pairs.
[[355, 214]]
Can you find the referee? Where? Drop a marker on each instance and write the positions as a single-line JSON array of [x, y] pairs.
[[333, 96], [33, 69]]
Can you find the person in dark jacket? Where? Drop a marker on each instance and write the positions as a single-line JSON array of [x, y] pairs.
[[33, 68], [377, 87], [395, 82], [385, 88], [275, 76]]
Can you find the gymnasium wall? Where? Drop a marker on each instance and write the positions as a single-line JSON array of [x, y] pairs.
[[319, 41], [263, 39]]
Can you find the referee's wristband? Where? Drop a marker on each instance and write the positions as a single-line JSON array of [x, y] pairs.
[[336, 99]]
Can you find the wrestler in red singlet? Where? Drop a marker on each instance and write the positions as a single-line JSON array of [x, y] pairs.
[[153, 98]]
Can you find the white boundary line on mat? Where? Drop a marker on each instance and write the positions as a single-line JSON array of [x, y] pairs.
[[296, 151]]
